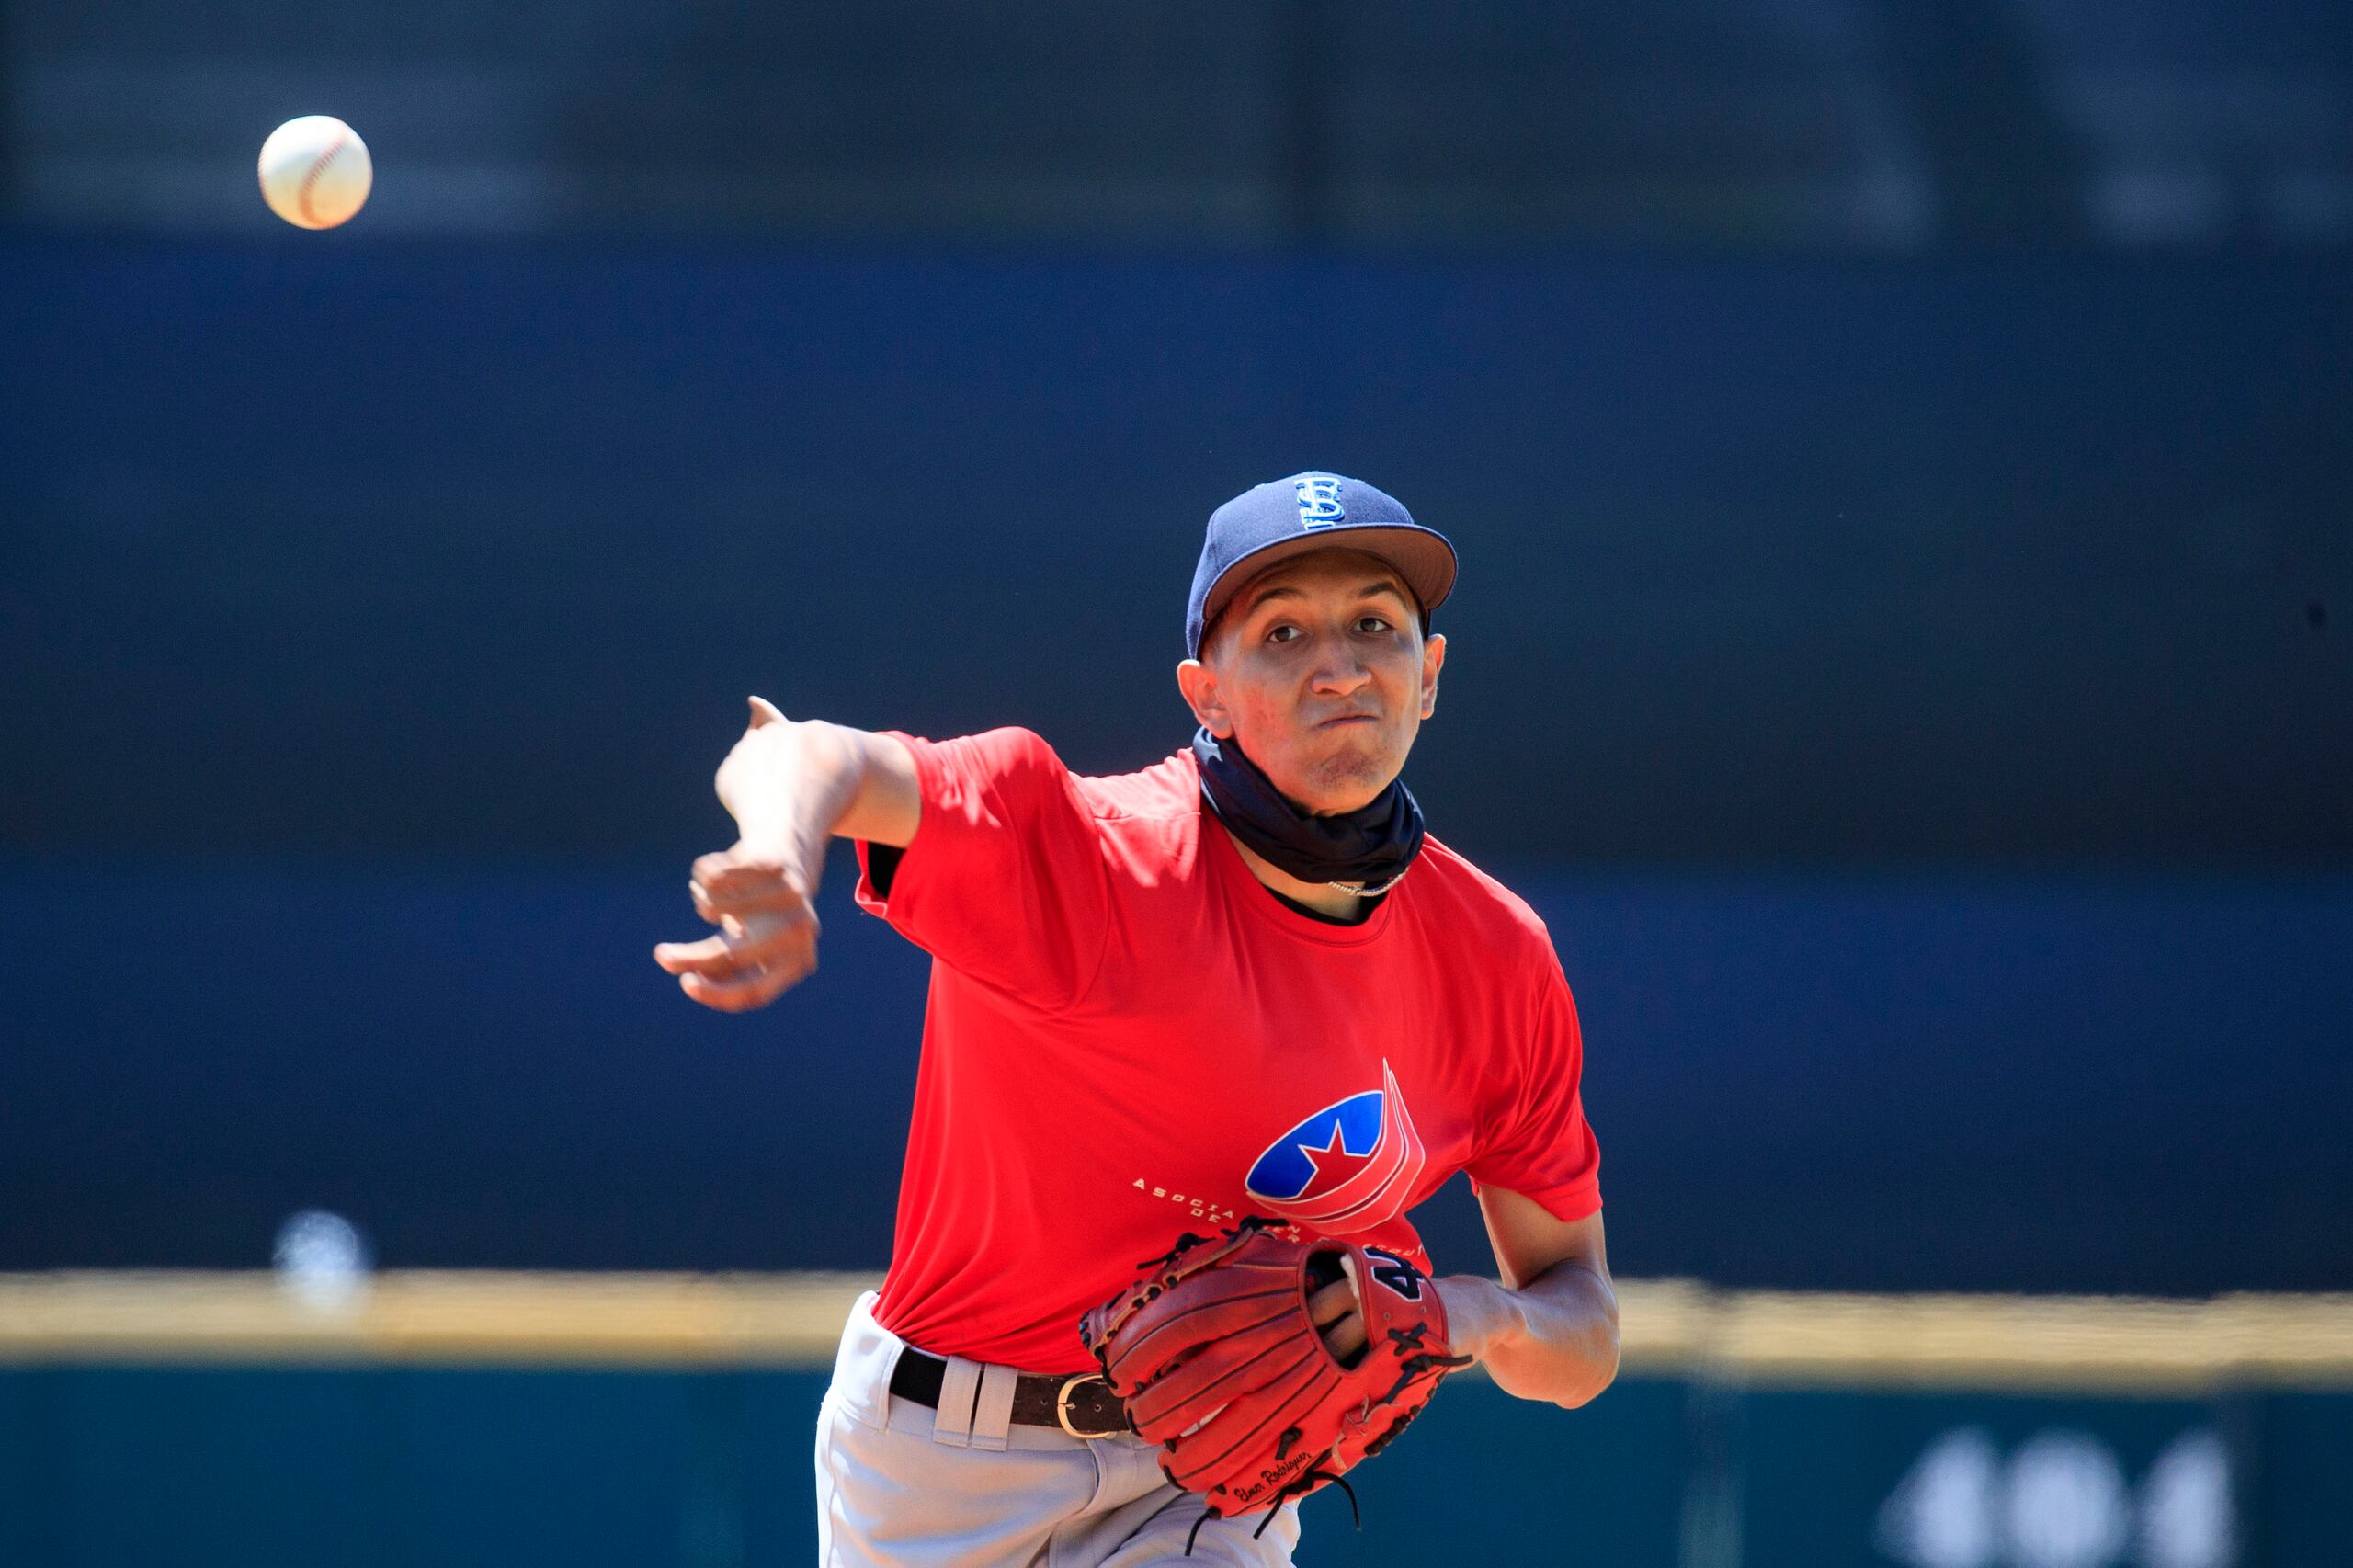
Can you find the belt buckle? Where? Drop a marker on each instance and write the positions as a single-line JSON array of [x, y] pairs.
[[1062, 1402]]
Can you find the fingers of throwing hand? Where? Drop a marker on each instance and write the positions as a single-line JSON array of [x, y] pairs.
[[713, 956], [732, 905], [724, 884], [743, 944], [754, 988], [1333, 1309], [748, 963]]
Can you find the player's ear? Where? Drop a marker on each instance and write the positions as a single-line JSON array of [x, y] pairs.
[[1198, 683], [1433, 660]]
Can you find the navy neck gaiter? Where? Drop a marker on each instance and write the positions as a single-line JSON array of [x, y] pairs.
[[1366, 850]]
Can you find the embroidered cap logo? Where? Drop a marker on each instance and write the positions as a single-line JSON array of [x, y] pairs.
[[1319, 501]]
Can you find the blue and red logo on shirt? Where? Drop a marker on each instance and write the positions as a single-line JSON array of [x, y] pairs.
[[1349, 1167]]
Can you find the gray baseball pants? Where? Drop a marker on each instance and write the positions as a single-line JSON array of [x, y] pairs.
[[902, 1486]]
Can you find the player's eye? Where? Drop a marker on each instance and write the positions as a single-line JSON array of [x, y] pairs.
[[1283, 633], [1372, 623]]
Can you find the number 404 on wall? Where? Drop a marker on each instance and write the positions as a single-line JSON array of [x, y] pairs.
[[2061, 1500]]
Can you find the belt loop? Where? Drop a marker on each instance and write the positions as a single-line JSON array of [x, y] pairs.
[[960, 1388], [992, 1416]]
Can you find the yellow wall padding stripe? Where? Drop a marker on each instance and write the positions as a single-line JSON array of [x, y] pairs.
[[1669, 1327], [430, 1316], [2018, 1343]]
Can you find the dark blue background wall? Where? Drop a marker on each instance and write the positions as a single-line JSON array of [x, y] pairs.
[[351, 544], [2037, 1083]]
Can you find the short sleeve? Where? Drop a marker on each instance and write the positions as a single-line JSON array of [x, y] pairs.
[[1541, 1147], [1005, 881]]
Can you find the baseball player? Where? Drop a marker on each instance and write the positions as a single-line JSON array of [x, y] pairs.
[[1240, 990]]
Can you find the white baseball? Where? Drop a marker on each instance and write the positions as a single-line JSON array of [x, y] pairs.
[[315, 171]]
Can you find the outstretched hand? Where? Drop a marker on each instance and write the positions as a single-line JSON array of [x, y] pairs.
[[761, 893]]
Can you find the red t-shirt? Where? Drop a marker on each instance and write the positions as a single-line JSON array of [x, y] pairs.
[[1127, 1036]]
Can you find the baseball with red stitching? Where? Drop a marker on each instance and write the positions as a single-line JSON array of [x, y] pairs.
[[315, 172]]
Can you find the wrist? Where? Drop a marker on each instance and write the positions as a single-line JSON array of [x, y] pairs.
[[1480, 1315], [786, 785]]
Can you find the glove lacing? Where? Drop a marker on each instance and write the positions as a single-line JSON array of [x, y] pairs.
[[1299, 1487]]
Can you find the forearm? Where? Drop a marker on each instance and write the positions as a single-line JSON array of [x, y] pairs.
[[1554, 1339]]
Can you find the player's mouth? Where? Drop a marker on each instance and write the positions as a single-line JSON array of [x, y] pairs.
[[1347, 718]]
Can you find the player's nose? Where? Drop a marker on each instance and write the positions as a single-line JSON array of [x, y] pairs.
[[1340, 673]]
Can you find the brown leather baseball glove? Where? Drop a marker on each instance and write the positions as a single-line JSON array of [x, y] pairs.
[[1214, 1353]]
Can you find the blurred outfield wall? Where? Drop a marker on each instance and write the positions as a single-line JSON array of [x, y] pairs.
[[508, 1419]]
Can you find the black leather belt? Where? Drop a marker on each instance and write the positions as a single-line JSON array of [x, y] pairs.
[[1081, 1404]]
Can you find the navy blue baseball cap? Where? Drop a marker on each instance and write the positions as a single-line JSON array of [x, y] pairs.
[[1314, 510]]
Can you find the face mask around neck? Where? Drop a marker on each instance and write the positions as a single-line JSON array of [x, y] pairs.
[[1364, 851]]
